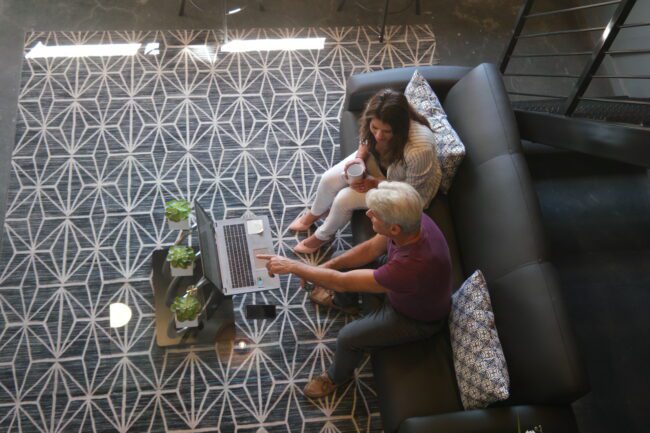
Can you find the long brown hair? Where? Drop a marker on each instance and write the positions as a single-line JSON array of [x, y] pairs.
[[391, 107]]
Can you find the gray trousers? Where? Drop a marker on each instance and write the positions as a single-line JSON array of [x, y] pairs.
[[380, 327]]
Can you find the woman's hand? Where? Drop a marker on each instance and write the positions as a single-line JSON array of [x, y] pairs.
[[365, 184]]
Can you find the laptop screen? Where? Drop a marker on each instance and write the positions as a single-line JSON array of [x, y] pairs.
[[208, 246]]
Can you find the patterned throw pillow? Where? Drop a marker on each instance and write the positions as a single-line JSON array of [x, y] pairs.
[[481, 370], [450, 149]]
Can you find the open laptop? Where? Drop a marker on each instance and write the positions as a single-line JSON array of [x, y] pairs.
[[229, 249]]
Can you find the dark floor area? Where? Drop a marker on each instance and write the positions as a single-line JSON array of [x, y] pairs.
[[596, 213]]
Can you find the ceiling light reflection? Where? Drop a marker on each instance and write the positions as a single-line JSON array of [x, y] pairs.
[[98, 50], [120, 314], [152, 48], [206, 53], [285, 44]]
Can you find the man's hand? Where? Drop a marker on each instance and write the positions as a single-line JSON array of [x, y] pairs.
[[365, 184], [277, 264]]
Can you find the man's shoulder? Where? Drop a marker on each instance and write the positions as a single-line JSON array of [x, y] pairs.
[[436, 237]]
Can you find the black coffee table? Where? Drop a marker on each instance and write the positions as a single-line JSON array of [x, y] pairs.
[[217, 321]]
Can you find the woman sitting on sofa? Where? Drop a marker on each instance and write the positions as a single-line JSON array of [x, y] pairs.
[[397, 144]]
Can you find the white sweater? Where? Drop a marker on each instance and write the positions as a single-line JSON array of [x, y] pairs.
[[420, 168]]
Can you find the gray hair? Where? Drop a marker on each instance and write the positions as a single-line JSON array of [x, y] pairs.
[[396, 203]]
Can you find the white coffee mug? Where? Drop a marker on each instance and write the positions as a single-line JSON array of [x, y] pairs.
[[355, 172]]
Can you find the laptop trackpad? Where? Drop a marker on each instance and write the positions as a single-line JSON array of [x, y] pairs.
[[260, 263]]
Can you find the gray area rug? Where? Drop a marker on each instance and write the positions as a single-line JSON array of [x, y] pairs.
[[102, 143]]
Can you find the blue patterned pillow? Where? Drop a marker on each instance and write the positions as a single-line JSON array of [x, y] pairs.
[[481, 370], [450, 149]]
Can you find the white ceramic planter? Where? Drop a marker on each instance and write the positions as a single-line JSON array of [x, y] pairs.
[[181, 225], [182, 272], [186, 324]]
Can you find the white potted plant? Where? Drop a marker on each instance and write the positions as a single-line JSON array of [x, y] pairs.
[[178, 214], [181, 260], [186, 309]]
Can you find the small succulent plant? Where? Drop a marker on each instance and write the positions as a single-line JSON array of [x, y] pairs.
[[181, 257], [186, 307], [177, 210]]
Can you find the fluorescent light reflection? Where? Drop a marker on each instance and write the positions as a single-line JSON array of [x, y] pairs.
[[152, 48], [98, 50], [234, 11], [204, 52], [285, 44], [120, 314]]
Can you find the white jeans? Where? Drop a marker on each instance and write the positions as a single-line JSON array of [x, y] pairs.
[[333, 193]]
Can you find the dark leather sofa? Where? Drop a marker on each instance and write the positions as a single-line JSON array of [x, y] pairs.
[[491, 219]]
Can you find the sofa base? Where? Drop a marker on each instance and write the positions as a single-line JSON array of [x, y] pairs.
[[557, 419]]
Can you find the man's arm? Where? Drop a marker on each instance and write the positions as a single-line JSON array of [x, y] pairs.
[[360, 280], [360, 255]]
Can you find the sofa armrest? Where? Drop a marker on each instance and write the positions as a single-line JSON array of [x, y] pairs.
[[348, 133], [361, 87], [557, 419]]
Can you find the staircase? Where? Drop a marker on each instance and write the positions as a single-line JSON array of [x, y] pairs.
[[592, 94]]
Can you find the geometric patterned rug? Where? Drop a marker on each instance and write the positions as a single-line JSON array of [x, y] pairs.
[[101, 144]]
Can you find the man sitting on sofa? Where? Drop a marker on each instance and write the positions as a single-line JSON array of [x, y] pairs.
[[415, 278]]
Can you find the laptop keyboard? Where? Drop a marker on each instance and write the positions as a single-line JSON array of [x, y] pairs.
[[239, 257]]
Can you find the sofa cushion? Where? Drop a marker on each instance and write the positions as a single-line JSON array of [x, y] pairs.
[[415, 379], [481, 369], [493, 203], [479, 108], [449, 148], [538, 342]]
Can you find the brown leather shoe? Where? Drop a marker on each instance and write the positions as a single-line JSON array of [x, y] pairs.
[[325, 298], [319, 386]]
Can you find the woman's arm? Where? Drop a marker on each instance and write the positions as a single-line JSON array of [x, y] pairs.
[[364, 150], [423, 172]]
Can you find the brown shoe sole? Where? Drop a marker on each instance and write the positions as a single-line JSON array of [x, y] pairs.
[[332, 305]]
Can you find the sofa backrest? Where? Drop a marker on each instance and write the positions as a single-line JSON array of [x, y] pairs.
[[361, 87], [498, 227]]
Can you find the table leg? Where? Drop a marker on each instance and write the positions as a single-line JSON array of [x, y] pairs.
[[383, 22]]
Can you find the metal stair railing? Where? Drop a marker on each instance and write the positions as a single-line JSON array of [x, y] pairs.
[[569, 102], [606, 126]]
